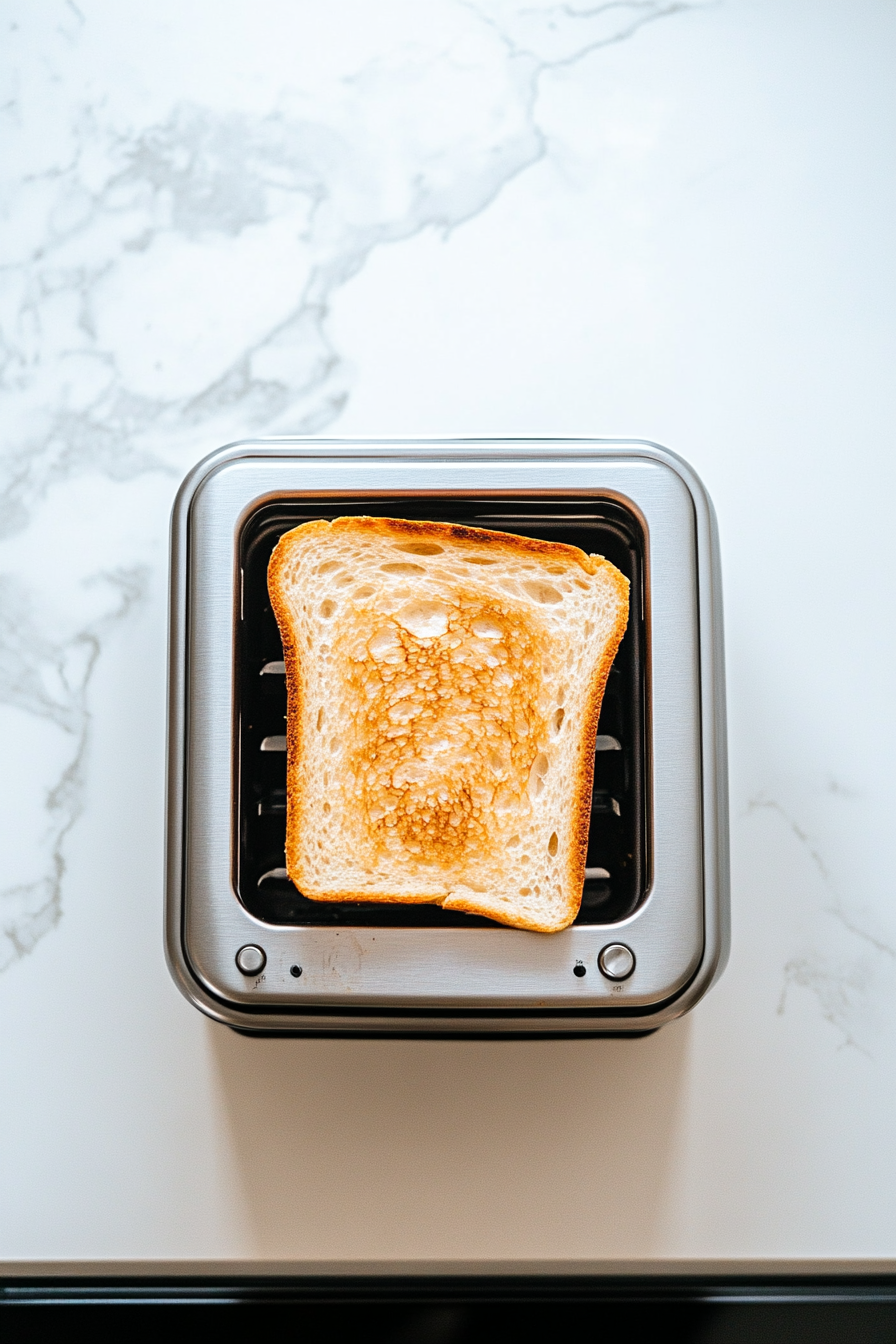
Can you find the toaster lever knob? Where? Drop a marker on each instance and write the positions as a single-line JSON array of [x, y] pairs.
[[616, 961], [250, 959]]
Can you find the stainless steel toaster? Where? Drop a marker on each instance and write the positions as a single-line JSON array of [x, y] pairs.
[[249, 949]]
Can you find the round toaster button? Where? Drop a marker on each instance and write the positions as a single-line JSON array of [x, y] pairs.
[[616, 961], [250, 959]]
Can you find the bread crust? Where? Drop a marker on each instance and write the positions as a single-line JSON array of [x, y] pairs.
[[557, 553]]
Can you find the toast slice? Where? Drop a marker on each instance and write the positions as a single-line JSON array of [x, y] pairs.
[[444, 685]]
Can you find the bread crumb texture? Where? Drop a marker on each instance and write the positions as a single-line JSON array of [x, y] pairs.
[[444, 686]]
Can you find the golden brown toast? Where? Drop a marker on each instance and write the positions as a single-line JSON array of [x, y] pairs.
[[444, 686]]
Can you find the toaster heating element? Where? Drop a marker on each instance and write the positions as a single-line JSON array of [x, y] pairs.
[[249, 949]]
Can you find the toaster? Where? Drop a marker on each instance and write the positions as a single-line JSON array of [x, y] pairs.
[[247, 948]]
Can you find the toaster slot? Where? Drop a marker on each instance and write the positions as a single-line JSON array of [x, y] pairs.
[[617, 862]]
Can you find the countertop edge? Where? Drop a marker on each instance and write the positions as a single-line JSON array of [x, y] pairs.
[[622, 1268]]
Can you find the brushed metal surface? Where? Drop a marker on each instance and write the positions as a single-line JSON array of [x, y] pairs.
[[453, 980]]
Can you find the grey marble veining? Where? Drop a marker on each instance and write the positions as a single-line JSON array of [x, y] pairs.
[[845, 965], [214, 199], [51, 682]]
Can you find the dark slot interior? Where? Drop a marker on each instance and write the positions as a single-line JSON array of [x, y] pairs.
[[618, 838]]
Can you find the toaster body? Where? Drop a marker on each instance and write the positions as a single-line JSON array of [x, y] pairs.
[[652, 933]]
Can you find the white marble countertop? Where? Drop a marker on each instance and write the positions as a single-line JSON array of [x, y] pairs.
[[670, 221]]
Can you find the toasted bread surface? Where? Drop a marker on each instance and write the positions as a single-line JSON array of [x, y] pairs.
[[444, 686]]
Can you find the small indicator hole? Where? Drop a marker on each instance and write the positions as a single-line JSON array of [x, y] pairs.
[[579, 970], [295, 971]]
